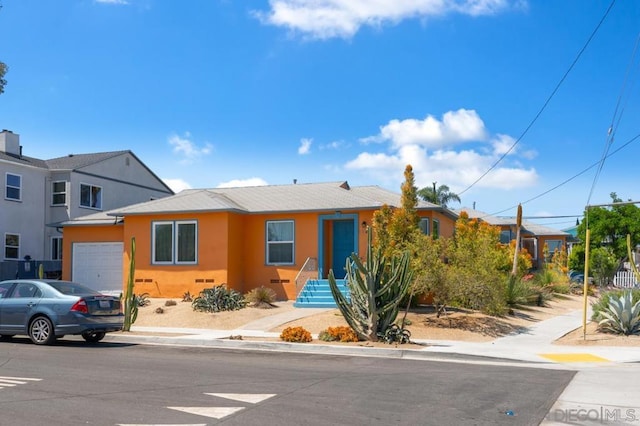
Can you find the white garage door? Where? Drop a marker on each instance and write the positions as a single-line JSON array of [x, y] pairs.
[[98, 265]]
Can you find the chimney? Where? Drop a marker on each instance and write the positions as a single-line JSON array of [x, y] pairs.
[[10, 143]]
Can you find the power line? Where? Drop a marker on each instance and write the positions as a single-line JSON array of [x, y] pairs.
[[544, 106], [614, 123], [572, 177]]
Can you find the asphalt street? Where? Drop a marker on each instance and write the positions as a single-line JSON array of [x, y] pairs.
[[114, 383]]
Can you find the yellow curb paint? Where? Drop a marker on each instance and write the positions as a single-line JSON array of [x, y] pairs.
[[574, 357]]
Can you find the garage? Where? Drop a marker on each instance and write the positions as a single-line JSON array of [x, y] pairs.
[[98, 265]]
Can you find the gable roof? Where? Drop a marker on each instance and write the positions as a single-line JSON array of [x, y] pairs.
[[74, 162], [327, 196], [23, 160], [77, 161], [527, 226]]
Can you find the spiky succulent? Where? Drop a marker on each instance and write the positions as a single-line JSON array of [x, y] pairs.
[[621, 315]]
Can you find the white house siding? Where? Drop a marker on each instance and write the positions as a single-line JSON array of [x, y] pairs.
[[25, 217]]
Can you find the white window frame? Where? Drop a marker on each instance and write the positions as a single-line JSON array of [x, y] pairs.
[[175, 242], [63, 193], [5, 246], [8, 186], [291, 242], [424, 225], [93, 204], [56, 248]]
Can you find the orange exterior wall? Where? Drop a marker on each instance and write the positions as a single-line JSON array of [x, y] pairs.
[[231, 251], [176, 280]]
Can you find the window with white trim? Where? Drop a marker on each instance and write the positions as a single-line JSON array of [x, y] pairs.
[[90, 196], [175, 242], [279, 239], [58, 193], [13, 187], [12, 246], [56, 248], [424, 225]]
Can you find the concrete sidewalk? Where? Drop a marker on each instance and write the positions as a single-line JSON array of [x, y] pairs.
[[533, 346]]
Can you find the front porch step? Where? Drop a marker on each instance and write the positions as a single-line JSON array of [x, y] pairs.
[[317, 294]]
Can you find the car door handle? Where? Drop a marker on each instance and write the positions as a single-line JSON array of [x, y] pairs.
[[30, 305]]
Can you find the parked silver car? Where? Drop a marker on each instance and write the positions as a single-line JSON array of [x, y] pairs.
[[48, 309]]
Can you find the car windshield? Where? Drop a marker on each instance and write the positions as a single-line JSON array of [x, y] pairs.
[[69, 288]]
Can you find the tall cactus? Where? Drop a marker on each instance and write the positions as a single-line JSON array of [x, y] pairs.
[[376, 289], [130, 305]]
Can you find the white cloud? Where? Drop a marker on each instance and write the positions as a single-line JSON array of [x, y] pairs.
[[333, 145], [324, 19], [112, 1], [502, 144], [176, 185], [429, 146], [462, 125], [235, 183], [305, 146], [182, 145]]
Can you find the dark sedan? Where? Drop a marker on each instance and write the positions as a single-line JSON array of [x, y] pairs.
[[48, 309]]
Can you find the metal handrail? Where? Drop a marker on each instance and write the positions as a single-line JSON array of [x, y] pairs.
[[309, 270]]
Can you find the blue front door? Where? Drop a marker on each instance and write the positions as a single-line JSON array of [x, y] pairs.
[[342, 247]]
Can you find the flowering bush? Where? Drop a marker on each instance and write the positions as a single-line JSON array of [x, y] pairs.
[[295, 334], [341, 333]]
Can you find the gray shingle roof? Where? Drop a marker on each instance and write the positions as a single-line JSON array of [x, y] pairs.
[[328, 196], [527, 226], [76, 161], [23, 160], [69, 162]]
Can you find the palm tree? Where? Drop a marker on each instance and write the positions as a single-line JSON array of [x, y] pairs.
[[441, 195]]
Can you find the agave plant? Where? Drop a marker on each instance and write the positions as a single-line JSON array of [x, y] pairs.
[[621, 316]]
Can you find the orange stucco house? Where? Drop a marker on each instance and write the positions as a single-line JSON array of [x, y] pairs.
[[276, 236], [540, 241]]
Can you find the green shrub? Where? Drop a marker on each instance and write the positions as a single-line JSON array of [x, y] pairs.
[[621, 315], [603, 301], [395, 334], [296, 335], [218, 298], [141, 299], [261, 297], [518, 291]]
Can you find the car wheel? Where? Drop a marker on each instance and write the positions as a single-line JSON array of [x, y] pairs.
[[93, 336], [41, 331]]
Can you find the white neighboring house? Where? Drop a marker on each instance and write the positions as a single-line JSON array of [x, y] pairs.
[[37, 194]]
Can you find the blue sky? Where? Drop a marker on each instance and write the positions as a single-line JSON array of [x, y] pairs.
[[227, 92]]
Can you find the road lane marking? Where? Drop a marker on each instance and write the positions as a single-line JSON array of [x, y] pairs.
[[574, 357], [8, 382], [213, 412], [252, 398]]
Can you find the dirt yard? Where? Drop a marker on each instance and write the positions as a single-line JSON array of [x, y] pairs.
[[460, 325]]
